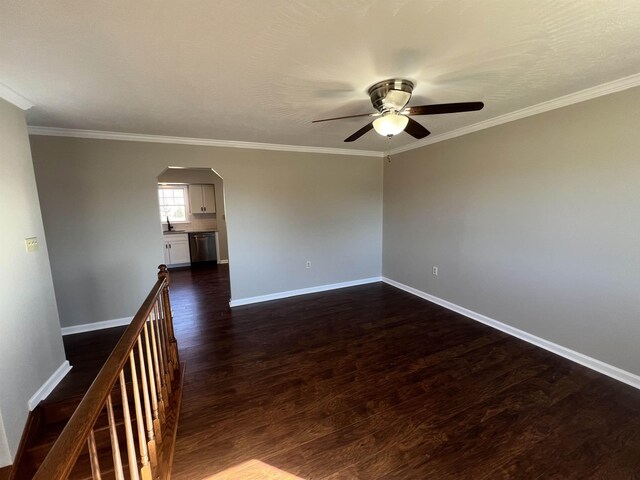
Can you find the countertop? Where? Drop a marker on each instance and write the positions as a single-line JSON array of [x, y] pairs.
[[184, 232]]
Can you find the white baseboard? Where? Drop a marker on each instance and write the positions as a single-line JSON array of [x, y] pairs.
[[48, 386], [223, 261], [179, 265], [90, 327], [302, 291], [589, 362]]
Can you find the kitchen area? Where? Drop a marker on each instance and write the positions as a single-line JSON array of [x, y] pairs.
[[192, 215]]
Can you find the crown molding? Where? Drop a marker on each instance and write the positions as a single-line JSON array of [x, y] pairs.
[[577, 97], [138, 137], [14, 98]]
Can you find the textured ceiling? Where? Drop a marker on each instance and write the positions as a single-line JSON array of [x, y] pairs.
[[261, 70]]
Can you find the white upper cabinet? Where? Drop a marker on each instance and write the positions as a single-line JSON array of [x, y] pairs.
[[202, 198], [209, 198]]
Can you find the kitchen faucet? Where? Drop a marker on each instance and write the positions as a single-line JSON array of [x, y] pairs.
[[169, 226]]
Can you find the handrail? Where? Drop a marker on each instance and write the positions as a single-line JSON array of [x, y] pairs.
[[62, 457]]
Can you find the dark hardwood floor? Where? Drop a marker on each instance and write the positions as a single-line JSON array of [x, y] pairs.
[[371, 382]]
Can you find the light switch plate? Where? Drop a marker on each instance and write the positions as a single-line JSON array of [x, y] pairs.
[[32, 244]]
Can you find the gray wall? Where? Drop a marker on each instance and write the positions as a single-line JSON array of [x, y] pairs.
[[29, 328], [534, 223], [193, 175], [99, 204]]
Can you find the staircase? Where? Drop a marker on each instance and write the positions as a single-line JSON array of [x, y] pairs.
[[133, 433]]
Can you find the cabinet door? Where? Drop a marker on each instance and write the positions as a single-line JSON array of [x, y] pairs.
[[180, 252], [195, 198], [209, 198], [167, 254]]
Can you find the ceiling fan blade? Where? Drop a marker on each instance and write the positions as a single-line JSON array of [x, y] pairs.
[[416, 130], [348, 116], [443, 108], [359, 133]]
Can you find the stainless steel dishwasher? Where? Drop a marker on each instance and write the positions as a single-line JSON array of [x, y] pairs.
[[203, 247]]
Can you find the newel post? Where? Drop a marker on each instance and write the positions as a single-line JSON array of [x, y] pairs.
[[163, 274]]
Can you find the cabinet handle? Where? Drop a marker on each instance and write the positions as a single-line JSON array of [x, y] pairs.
[[169, 245], [205, 208]]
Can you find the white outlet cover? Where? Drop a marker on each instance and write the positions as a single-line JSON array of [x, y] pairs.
[[31, 244]]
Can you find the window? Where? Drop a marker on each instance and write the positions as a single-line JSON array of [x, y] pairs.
[[173, 203]]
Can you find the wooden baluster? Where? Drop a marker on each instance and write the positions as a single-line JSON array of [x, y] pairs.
[[164, 369], [164, 360], [148, 413], [145, 469], [166, 307], [93, 456], [163, 349], [128, 431], [154, 390], [157, 351], [161, 389], [167, 328], [167, 344], [115, 446]]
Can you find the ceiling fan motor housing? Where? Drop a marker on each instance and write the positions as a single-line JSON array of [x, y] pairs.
[[391, 95]]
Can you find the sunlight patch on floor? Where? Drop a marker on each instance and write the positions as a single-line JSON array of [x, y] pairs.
[[253, 470]]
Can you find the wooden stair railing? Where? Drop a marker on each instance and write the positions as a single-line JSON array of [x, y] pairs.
[[147, 353]]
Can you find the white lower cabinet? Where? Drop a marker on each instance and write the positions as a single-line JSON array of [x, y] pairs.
[[176, 249]]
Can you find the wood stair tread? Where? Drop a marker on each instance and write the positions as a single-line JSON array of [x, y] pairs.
[[49, 432], [38, 452], [82, 469], [62, 410]]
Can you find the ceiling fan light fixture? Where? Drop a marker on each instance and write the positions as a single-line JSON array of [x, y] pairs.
[[390, 124]]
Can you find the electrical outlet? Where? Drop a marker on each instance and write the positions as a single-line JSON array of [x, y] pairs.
[[435, 271], [308, 263], [31, 244]]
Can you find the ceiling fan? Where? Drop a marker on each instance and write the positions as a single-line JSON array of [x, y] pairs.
[[390, 98]]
